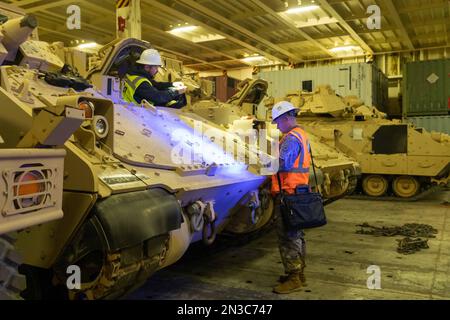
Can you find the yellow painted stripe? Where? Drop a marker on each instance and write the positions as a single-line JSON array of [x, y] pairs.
[[122, 3]]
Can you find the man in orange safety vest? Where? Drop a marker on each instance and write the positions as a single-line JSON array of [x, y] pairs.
[[294, 166]]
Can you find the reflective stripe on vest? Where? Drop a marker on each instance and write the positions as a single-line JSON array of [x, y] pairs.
[[131, 83], [130, 86], [299, 173]]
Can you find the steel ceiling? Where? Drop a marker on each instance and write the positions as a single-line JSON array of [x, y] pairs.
[[257, 27]]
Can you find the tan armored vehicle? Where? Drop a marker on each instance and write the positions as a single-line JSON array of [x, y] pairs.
[[337, 172], [31, 183], [30, 194], [141, 183], [395, 157]]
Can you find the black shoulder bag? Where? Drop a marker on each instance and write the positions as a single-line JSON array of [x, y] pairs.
[[302, 210]]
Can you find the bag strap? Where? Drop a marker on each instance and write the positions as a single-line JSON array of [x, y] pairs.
[[314, 169], [280, 186]]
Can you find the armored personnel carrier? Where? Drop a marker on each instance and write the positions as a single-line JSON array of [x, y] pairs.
[[337, 173], [395, 158], [30, 194], [140, 183], [32, 167]]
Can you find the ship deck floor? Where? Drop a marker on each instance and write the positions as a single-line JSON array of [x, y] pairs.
[[337, 260]]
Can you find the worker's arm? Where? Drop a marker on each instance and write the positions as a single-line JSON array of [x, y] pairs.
[[153, 95], [161, 85], [289, 151]]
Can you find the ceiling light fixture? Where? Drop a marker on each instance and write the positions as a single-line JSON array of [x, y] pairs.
[[252, 58], [302, 9], [87, 45], [344, 48], [183, 29]]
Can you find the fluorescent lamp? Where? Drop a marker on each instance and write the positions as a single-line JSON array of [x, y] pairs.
[[183, 29], [344, 48], [302, 9], [252, 58], [87, 45]]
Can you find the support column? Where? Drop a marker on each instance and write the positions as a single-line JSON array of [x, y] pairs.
[[128, 19]]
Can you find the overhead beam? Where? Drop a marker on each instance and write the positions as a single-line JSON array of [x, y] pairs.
[[290, 24], [188, 57], [423, 7], [324, 36], [106, 32], [246, 15], [48, 5], [214, 15], [428, 36], [22, 3], [395, 18], [218, 61], [355, 17], [361, 6], [315, 22], [157, 4], [195, 45], [447, 33], [60, 33], [331, 11], [431, 22], [100, 8]]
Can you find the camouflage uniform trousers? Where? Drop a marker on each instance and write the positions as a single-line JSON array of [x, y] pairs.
[[291, 244]]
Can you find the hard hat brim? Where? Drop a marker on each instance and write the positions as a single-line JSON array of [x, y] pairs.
[[146, 63], [274, 120], [297, 110]]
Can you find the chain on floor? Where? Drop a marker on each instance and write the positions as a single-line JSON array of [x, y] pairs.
[[412, 233]]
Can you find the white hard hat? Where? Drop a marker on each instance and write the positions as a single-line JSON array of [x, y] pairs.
[[281, 108], [150, 57]]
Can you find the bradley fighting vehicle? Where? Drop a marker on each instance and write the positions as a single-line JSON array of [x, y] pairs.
[[337, 173], [30, 194], [31, 183], [395, 157], [140, 183]]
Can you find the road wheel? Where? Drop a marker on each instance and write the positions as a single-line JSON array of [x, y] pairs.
[[405, 186], [375, 185], [11, 282]]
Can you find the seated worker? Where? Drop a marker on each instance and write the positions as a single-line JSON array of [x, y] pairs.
[[139, 84]]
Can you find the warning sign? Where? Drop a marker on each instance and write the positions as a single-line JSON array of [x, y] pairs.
[[122, 3]]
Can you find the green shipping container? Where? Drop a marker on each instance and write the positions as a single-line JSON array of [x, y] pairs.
[[426, 88]]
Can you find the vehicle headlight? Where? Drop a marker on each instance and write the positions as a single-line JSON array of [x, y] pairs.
[[88, 108], [29, 189], [101, 126]]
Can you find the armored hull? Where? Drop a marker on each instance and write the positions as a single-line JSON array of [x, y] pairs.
[[140, 183], [396, 158], [336, 172]]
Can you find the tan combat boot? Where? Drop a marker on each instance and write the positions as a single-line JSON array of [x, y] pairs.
[[291, 284], [301, 276]]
